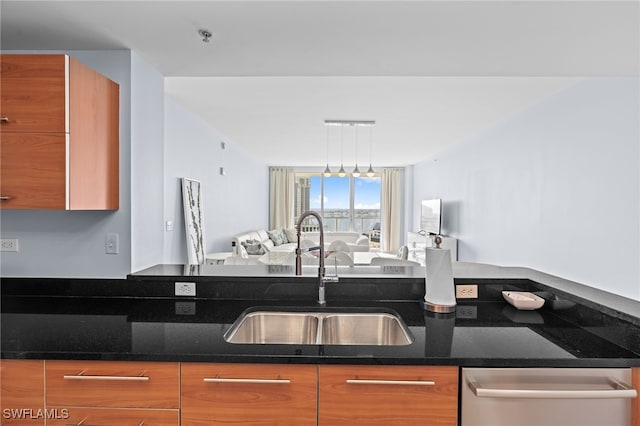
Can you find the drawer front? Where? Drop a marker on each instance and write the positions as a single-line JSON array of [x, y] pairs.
[[113, 416], [248, 394], [388, 395], [112, 384], [22, 396], [33, 95]]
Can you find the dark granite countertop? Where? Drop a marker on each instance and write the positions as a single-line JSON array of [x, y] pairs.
[[63, 323]]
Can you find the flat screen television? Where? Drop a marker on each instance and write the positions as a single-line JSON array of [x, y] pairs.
[[431, 216]]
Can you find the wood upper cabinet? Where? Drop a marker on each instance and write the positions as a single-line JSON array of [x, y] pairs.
[[387, 395], [59, 141], [248, 394], [22, 396]]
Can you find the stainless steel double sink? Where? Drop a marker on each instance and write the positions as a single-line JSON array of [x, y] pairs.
[[319, 328]]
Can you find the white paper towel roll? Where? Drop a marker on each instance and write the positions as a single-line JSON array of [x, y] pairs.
[[439, 292]]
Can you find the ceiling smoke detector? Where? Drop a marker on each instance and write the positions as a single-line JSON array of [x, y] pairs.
[[206, 35]]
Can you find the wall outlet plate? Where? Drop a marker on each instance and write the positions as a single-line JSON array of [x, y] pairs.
[[185, 289], [9, 244], [185, 308], [112, 243], [467, 291]]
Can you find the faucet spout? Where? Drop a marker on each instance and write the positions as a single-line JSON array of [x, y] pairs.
[[321, 269]]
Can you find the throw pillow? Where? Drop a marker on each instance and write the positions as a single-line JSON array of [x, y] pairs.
[[291, 234], [283, 236], [276, 236], [253, 247]]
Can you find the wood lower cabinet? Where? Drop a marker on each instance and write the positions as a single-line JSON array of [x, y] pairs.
[[114, 416], [387, 395], [193, 394], [635, 404], [248, 394], [59, 144], [113, 392], [22, 395]]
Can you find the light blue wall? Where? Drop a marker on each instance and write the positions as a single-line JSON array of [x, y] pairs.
[[147, 159], [555, 187], [234, 203], [72, 244]]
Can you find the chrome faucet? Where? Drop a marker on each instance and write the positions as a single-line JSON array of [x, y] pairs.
[[322, 279]]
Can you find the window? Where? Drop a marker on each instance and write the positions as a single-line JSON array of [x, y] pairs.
[[345, 204]]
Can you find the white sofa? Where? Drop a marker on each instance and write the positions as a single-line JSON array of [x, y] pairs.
[[355, 241], [264, 239]]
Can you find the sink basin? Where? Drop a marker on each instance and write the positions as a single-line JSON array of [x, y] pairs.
[[319, 328], [274, 328], [381, 329]]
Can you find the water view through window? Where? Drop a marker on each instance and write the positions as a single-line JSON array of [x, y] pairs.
[[346, 204]]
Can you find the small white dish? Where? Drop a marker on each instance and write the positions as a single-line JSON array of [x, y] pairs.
[[523, 300]]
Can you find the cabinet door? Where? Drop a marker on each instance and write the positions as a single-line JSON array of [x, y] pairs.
[[116, 384], [33, 97], [33, 171], [112, 416], [248, 394], [388, 395], [635, 404], [22, 396]]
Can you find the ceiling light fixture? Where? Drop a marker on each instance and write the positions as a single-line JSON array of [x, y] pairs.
[[341, 172], [206, 35], [327, 171], [370, 172], [355, 123], [356, 171]]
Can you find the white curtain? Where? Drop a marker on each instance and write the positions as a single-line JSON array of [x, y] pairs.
[[391, 210], [281, 197]]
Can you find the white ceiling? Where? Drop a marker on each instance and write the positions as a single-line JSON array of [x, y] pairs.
[[430, 73]]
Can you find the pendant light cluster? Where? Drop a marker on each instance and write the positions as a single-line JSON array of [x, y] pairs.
[[342, 123]]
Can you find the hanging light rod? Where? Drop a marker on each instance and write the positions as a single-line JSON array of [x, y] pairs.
[[349, 122]]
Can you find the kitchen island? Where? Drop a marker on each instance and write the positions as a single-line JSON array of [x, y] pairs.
[[76, 329], [141, 319]]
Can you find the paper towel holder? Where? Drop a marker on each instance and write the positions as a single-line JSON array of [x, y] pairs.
[[439, 295], [438, 309]]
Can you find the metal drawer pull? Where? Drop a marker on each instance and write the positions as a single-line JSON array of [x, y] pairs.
[[221, 380], [4, 119], [4, 198], [116, 378], [391, 382], [618, 390]]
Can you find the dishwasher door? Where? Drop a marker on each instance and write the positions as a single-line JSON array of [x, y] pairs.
[[546, 397]]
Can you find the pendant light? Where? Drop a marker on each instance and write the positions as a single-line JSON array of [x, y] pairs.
[[356, 171], [327, 171], [370, 172], [341, 172]]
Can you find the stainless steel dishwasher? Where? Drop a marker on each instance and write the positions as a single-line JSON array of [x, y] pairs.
[[546, 397]]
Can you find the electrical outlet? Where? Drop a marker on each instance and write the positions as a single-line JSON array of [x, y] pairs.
[[9, 244], [111, 244], [185, 308], [185, 289], [467, 291], [466, 311]]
